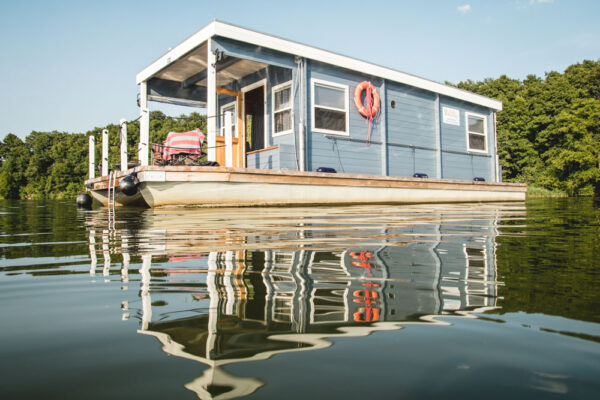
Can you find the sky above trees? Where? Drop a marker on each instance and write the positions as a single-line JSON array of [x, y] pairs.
[[69, 65]]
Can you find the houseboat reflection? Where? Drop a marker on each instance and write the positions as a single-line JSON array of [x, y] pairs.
[[242, 304]]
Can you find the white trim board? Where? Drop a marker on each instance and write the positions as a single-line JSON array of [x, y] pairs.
[[321, 82], [234, 32], [484, 134], [274, 89]]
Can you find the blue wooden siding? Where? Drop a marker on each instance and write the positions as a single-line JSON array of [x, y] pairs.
[[288, 157], [268, 159], [279, 158], [348, 154], [466, 166], [457, 161], [412, 121], [411, 131], [455, 137], [343, 155], [405, 161]]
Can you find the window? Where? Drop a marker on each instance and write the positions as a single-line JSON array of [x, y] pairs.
[[329, 107], [476, 133], [282, 109], [229, 107]]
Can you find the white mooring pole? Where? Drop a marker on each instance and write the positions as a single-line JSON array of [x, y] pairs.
[[228, 140], [104, 152], [92, 154], [123, 124]]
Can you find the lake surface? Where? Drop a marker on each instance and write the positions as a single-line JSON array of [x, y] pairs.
[[462, 301]]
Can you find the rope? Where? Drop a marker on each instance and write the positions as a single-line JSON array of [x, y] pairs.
[[370, 112]]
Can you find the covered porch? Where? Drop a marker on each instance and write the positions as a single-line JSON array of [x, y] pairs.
[[250, 94]]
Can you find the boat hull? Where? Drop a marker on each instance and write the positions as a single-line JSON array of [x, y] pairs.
[[211, 187], [241, 187]]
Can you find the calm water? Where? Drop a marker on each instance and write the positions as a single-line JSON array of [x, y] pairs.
[[423, 301]]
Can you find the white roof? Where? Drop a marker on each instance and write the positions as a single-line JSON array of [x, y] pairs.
[[218, 28]]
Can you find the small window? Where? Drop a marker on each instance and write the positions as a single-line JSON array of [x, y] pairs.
[[232, 108], [282, 109], [329, 107], [476, 133]]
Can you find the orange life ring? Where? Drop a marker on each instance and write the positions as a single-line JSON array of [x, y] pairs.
[[365, 111]]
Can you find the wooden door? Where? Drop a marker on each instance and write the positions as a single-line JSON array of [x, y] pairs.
[[239, 151]]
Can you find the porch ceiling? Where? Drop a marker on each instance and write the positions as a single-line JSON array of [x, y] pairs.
[[194, 65]]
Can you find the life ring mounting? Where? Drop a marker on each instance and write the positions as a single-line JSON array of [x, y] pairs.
[[372, 106]]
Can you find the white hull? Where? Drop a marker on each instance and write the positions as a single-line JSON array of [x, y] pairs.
[[211, 194], [221, 187]]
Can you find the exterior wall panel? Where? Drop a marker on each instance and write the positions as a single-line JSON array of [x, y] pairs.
[[457, 161], [466, 166], [350, 153]]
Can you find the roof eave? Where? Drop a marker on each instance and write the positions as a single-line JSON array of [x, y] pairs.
[[218, 28]]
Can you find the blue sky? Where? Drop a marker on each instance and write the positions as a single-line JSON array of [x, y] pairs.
[[70, 65]]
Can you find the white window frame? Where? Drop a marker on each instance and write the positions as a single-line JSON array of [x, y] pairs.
[[234, 116], [322, 82], [485, 132], [274, 90]]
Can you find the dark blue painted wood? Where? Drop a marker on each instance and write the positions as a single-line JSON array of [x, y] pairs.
[[254, 53]]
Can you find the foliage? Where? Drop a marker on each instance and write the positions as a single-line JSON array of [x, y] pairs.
[[549, 129], [535, 191], [53, 165], [548, 260]]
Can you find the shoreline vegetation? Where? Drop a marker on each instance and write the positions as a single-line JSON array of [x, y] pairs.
[[548, 137]]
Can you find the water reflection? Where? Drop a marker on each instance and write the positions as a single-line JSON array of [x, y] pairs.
[[230, 286]]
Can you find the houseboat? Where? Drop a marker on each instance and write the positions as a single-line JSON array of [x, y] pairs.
[[291, 124]]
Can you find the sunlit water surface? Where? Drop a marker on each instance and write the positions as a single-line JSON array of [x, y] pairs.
[[422, 301]]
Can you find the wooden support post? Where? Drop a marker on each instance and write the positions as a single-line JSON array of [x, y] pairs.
[[144, 125], [211, 101], [228, 140], [104, 152], [92, 155], [123, 124]]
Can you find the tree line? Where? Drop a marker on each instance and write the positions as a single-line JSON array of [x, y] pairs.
[[548, 137], [549, 129], [54, 165]]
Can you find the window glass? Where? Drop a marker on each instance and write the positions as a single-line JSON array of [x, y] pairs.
[[476, 133], [282, 109], [477, 142], [476, 125], [330, 119], [329, 107], [283, 121], [328, 96], [282, 98]]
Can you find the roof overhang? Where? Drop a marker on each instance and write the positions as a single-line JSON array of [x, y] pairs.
[[222, 29]]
